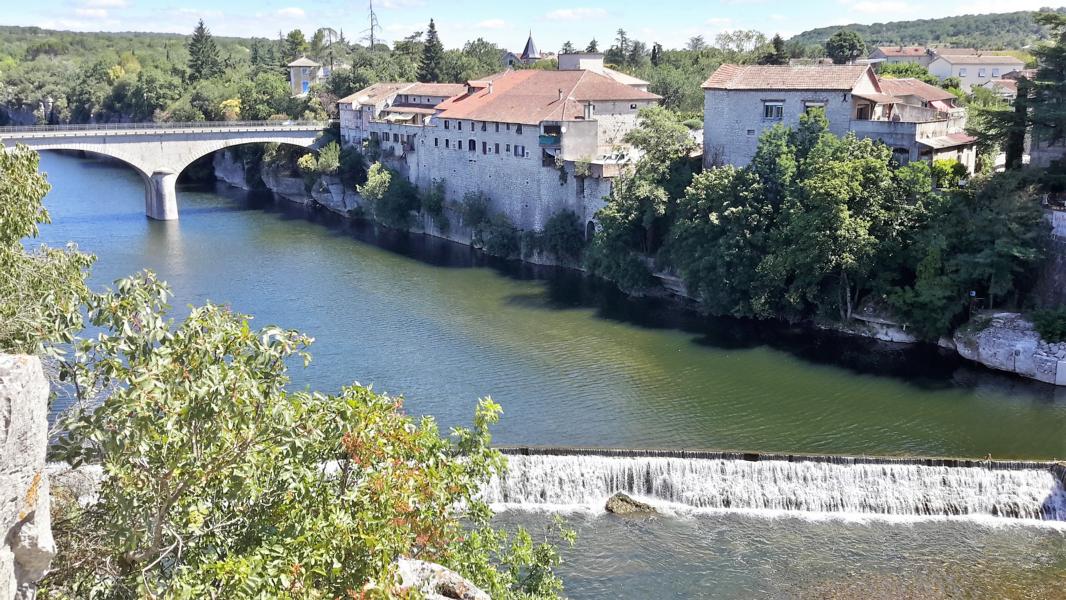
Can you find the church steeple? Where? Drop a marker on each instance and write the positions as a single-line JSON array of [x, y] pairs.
[[530, 52]]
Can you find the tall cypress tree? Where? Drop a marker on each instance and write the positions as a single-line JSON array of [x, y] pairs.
[[431, 69], [204, 59]]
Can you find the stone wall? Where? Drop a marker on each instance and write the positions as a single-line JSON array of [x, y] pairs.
[[26, 545]]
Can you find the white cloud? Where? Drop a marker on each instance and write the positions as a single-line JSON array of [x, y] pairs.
[[575, 14], [718, 21], [104, 3], [291, 12], [91, 13], [492, 24]]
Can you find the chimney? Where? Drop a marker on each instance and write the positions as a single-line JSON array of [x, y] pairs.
[[560, 94], [490, 87]]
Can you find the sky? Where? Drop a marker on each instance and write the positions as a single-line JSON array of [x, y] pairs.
[[669, 22]]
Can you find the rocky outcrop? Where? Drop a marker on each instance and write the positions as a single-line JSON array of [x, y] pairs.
[[1009, 342], [26, 545], [330, 193], [435, 582], [622, 504]]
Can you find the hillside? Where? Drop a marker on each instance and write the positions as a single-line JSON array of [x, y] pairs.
[[997, 31]]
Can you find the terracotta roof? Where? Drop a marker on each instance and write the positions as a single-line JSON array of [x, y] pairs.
[[1011, 85], [950, 140], [303, 61], [786, 77], [878, 98], [374, 93], [913, 87], [412, 110], [446, 90], [532, 96], [1019, 73], [621, 77], [902, 50], [954, 51], [982, 59]]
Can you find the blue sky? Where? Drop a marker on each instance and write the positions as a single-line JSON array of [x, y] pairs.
[[669, 22]]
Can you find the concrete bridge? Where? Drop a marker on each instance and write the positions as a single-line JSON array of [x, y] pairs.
[[161, 151]]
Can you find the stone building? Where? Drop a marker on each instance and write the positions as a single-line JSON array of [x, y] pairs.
[[891, 55], [304, 73], [740, 102], [533, 142]]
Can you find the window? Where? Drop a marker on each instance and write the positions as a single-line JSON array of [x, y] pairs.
[[436, 142], [460, 125], [518, 129], [773, 110], [995, 72], [633, 106], [396, 137], [484, 125], [446, 124], [519, 151], [484, 147], [982, 73], [447, 143], [471, 146], [304, 71], [751, 132], [497, 128], [807, 106], [497, 148], [507, 149], [962, 72], [508, 126]]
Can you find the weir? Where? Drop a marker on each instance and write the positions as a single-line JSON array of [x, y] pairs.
[[842, 485]]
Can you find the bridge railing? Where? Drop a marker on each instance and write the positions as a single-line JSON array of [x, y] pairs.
[[163, 125]]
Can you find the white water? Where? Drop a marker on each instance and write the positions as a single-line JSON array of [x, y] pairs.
[[896, 489]]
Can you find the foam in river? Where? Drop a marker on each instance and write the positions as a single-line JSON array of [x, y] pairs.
[[834, 485]]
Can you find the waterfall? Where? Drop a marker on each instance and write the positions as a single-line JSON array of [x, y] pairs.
[[837, 485]]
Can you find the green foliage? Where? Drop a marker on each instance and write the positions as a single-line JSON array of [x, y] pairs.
[[1051, 324], [474, 209], [352, 170], [908, 70], [564, 235], [776, 54], [204, 60], [329, 159], [433, 201], [1049, 90], [220, 481], [1000, 30], [390, 195], [40, 290], [431, 66], [844, 46], [948, 173], [498, 236], [295, 46], [693, 124]]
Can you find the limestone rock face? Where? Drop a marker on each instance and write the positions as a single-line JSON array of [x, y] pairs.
[[622, 504], [435, 582], [1009, 342], [26, 545]]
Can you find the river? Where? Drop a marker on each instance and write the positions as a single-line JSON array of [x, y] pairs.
[[574, 363]]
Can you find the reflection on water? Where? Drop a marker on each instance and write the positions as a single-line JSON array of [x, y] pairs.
[[572, 361]]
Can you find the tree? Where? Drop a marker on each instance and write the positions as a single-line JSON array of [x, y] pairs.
[[265, 96], [295, 46], [41, 290], [905, 70], [656, 54], [845, 46], [593, 47], [1049, 90], [777, 55], [219, 481], [567, 48], [204, 61], [431, 67], [696, 43]]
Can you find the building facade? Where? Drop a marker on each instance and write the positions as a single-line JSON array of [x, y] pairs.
[[533, 142], [973, 69], [741, 102]]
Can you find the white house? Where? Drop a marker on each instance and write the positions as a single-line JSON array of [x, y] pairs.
[[741, 102], [973, 69], [902, 54]]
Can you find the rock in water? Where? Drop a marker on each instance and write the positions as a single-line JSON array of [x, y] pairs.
[[435, 582], [622, 504]]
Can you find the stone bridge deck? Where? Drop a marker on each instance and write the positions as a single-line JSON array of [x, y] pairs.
[[161, 151]]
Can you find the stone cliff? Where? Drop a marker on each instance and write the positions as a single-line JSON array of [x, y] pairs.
[[1009, 342], [26, 545]]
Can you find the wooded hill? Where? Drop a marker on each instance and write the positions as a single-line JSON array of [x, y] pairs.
[[1002, 31]]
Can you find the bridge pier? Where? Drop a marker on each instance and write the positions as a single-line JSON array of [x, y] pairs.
[[161, 196]]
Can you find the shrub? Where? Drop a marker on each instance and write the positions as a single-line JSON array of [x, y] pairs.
[[582, 167], [475, 209], [499, 237], [329, 159], [352, 167], [693, 124], [948, 173], [307, 164], [433, 203], [1051, 324], [563, 235]]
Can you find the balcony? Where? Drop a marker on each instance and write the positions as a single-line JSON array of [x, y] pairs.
[[550, 139]]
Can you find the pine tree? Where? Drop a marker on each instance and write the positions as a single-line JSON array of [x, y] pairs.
[[295, 45], [431, 68], [777, 54], [568, 48], [593, 47], [656, 54], [204, 61]]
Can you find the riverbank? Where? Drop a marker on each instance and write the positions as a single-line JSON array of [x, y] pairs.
[[981, 341]]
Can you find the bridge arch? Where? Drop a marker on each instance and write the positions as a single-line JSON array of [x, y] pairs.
[[161, 151]]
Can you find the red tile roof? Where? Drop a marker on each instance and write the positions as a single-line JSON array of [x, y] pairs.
[[914, 87], [532, 96], [446, 90], [786, 77], [903, 51], [982, 59]]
